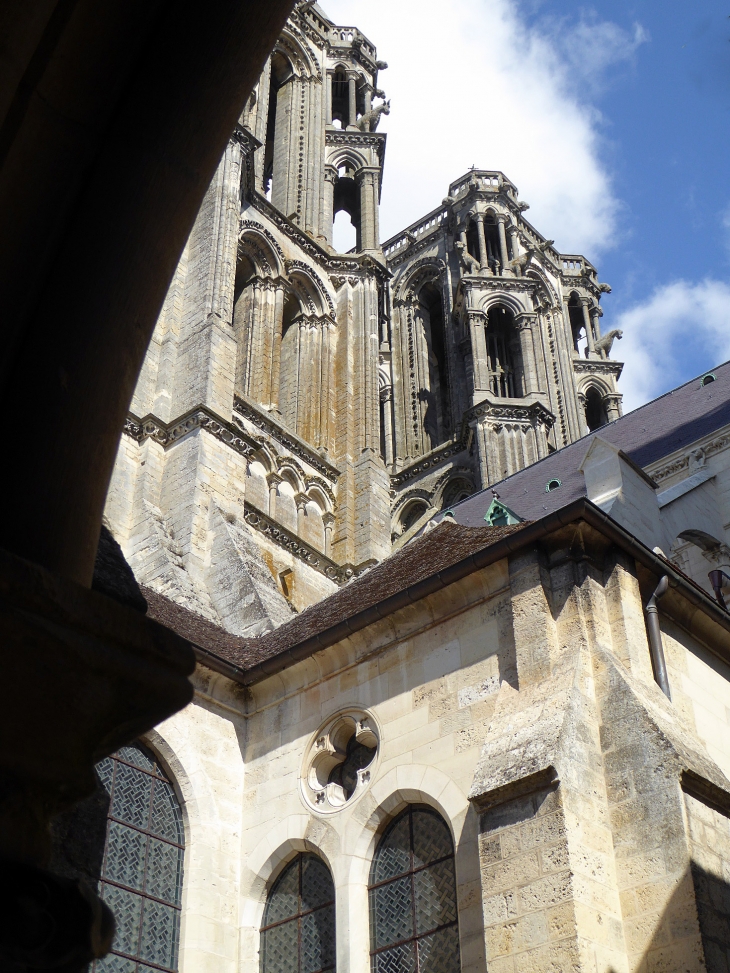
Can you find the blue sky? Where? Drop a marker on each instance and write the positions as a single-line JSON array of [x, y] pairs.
[[613, 120]]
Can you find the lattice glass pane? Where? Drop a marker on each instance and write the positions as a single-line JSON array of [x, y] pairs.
[[279, 949], [165, 818], [164, 871], [393, 856], [105, 770], [127, 908], [114, 964], [159, 933], [318, 940], [317, 886], [132, 792], [401, 959], [439, 953], [124, 859], [431, 838], [284, 897], [435, 896], [391, 917], [136, 756]]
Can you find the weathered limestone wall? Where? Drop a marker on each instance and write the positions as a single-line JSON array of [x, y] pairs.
[[520, 704]]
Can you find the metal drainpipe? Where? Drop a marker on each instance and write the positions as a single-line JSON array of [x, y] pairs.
[[655, 637]]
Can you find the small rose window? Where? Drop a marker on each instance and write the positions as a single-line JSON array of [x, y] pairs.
[[339, 761]]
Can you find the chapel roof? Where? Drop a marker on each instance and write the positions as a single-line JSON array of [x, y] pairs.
[[648, 434]]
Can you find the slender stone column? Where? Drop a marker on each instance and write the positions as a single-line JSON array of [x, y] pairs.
[[330, 75], [301, 500], [273, 480], [483, 262], [596, 315], [367, 216], [585, 302], [515, 237], [368, 89], [479, 351], [352, 89], [613, 406], [386, 398], [524, 323], [503, 254], [328, 216], [328, 521], [276, 346]]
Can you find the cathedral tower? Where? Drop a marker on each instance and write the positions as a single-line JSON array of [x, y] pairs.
[[301, 411]]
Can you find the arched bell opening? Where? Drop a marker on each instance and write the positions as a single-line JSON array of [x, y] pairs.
[[596, 415], [340, 100], [503, 354], [577, 323], [346, 232], [280, 104], [491, 240], [434, 392]]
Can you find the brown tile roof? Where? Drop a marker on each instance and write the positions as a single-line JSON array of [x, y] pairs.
[[397, 581]]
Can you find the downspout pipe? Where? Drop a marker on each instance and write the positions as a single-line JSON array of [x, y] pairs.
[[656, 647]]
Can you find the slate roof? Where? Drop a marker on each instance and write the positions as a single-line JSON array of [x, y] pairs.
[[398, 580], [646, 435]]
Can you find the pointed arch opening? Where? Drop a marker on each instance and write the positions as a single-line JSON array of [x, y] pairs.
[[434, 392], [289, 360], [412, 893], [596, 415], [346, 203], [275, 147], [340, 99], [577, 323], [142, 873], [298, 930], [503, 357]]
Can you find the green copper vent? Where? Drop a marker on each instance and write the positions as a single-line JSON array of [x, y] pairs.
[[500, 515]]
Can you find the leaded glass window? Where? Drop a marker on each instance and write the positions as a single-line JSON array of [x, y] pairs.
[[141, 877], [413, 922], [298, 933]]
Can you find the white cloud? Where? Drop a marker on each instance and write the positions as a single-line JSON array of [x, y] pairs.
[[681, 330], [473, 84]]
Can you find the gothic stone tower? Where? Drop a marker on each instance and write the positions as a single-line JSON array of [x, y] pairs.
[[496, 354], [300, 410]]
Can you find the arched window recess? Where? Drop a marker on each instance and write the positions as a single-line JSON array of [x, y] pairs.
[[503, 365], [298, 929], [413, 909], [142, 872], [595, 408]]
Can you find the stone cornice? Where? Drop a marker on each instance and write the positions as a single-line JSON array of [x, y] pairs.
[[584, 366], [680, 461], [283, 538], [535, 412], [169, 433], [270, 427], [375, 140]]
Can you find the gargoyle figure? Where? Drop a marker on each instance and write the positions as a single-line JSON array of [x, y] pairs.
[[468, 263], [519, 264], [370, 120], [604, 344], [381, 65], [448, 201], [542, 247], [605, 288], [523, 206]]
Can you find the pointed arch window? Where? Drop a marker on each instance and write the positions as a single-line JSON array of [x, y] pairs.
[[500, 335], [413, 918], [298, 932], [141, 878]]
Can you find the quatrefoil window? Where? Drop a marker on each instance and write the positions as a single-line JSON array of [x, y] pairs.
[[339, 761]]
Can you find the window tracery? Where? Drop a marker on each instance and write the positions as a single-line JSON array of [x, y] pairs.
[[142, 872], [412, 893]]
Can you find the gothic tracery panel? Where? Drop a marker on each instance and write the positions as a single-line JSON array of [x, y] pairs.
[[141, 877], [413, 920]]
